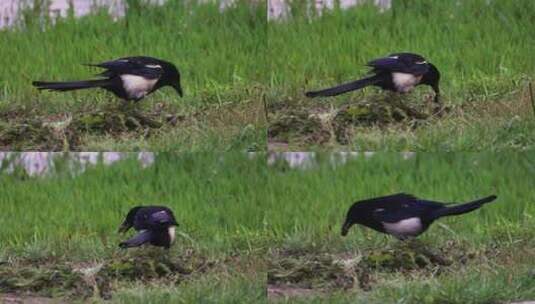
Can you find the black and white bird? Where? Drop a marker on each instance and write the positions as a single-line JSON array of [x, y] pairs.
[[155, 225], [398, 72], [402, 215], [129, 78]]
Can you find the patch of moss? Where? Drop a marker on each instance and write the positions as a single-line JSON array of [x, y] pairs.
[[146, 269], [331, 272], [66, 133], [412, 255], [296, 124], [315, 123], [311, 272], [59, 281], [113, 122], [63, 280]]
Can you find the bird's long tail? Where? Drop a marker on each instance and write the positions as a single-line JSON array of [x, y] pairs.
[[71, 85], [346, 87], [138, 240], [464, 208]]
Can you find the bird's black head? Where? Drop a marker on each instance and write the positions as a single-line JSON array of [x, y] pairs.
[[353, 215], [171, 222], [172, 77], [163, 216], [432, 78], [129, 220]]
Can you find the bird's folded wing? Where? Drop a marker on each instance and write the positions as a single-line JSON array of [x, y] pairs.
[[394, 208], [395, 199], [390, 215], [394, 64], [131, 67], [139, 239], [160, 218]]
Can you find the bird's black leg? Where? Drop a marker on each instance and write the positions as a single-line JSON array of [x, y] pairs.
[[412, 243], [419, 247], [124, 105], [437, 106]]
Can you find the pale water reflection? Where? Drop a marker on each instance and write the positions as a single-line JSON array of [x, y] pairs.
[[309, 160], [277, 9], [10, 9], [43, 163], [281, 9]]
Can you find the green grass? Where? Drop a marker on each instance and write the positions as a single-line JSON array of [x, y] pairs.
[[470, 286], [220, 56], [212, 195], [215, 51], [235, 291], [487, 248], [64, 220], [448, 177], [481, 48], [240, 219]]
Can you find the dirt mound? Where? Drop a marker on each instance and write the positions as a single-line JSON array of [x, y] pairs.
[[305, 274], [49, 282], [99, 280], [298, 124], [310, 272], [64, 131], [317, 123]]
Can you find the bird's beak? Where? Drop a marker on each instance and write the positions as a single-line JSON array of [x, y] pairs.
[[178, 89], [345, 228]]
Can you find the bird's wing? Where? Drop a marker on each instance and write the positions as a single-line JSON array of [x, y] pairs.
[[138, 66], [393, 199], [154, 217], [400, 63], [387, 63], [138, 240], [161, 217], [397, 207]]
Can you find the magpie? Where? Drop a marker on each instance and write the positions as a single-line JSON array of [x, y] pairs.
[[129, 78], [155, 224], [398, 72], [403, 215]]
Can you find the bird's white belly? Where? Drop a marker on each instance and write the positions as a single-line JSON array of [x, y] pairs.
[[407, 227], [171, 231], [137, 86], [405, 82]]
